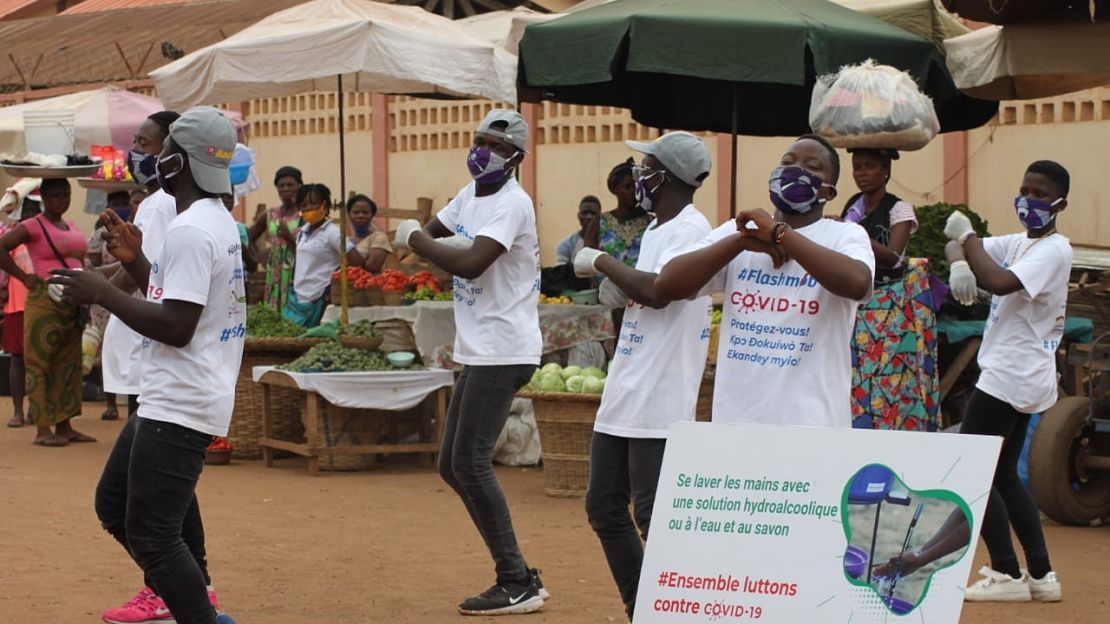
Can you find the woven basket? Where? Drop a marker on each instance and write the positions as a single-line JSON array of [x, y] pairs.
[[246, 416], [358, 342], [342, 426], [566, 422], [374, 297], [356, 297], [704, 409], [393, 298]]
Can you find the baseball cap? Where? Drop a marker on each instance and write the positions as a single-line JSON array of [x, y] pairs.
[[682, 153], [516, 129], [207, 137]]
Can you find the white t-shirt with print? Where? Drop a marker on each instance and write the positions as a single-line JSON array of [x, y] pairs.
[[1023, 332], [122, 345], [785, 355], [660, 355], [317, 258], [496, 315], [201, 262]]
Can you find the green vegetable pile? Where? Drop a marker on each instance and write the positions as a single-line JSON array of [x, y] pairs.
[[265, 322], [428, 294], [929, 240], [332, 357], [359, 329], [555, 378]]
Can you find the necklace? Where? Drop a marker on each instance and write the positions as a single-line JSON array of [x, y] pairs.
[[1018, 256]]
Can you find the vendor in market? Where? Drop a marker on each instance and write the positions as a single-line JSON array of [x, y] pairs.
[[280, 226], [317, 248], [589, 211], [372, 244], [892, 387], [618, 232]]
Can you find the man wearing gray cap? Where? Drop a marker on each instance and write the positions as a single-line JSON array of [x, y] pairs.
[[194, 322], [659, 359], [487, 240]]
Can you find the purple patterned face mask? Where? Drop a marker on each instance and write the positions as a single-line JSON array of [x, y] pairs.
[[1034, 213], [794, 190], [486, 166]]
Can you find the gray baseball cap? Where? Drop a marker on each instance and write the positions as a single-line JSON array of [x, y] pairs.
[[207, 136], [682, 153], [515, 132]]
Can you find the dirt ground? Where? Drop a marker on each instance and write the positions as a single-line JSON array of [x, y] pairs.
[[391, 544]]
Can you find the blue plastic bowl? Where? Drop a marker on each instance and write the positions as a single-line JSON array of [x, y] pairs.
[[855, 561], [401, 359], [898, 606], [239, 173]]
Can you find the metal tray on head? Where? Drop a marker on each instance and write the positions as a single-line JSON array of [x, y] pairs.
[[34, 171]]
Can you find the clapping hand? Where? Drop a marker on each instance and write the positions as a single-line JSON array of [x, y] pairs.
[[122, 239]]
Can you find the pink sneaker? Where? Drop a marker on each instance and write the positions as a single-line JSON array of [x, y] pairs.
[[144, 608], [212, 598]]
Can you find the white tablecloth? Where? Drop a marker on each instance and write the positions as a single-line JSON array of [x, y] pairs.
[[387, 390], [433, 323]]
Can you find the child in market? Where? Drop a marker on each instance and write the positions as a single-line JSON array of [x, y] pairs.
[[1028, 275], [792, 285], [486, 238], [662, 346]]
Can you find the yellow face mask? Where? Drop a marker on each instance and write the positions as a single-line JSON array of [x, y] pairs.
[[314, 216]]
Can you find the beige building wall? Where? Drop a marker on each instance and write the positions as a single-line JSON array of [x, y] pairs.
[[1073, 130], [576, 146]]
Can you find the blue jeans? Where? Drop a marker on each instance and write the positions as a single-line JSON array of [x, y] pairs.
[[477, 414], [146, 499], [623, 471]]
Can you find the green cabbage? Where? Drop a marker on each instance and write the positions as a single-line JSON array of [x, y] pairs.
[[574, 384], [552, 382], [551, 367], [571, 371], [593, 385], [593, 371]]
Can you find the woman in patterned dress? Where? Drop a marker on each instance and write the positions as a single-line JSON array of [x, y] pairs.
[[280, 226]]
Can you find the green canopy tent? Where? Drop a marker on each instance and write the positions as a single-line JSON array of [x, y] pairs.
[[732, 66]]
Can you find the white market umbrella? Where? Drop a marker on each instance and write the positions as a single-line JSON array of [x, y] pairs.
[[371, 46], [326, 44], [504, 28], [1028, 61]]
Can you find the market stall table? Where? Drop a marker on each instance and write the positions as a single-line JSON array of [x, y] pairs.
[[386, 390], [433, 323]]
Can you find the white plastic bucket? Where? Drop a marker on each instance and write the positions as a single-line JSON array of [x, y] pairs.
[[49, 132]]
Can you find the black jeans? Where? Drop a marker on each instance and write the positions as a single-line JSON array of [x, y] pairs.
[[146, 500], [623, 471], [477, 414], [1010, 503]]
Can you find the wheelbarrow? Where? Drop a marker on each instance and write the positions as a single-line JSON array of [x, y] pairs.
[[1069, 455]]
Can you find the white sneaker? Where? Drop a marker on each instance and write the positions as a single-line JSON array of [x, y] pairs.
[[998, 587], [1046, 589]]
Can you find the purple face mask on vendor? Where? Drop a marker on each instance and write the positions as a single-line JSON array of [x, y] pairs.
[[794, 190], [487, 166], [1034, 213]]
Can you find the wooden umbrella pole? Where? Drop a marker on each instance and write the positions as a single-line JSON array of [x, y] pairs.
[[734, 156], [342, 208]]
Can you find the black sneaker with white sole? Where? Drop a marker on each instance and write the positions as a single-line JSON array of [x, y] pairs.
[[535, 573], [505, 599]]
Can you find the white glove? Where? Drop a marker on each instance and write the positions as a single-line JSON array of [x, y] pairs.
[[584, 262], [957, 226], [405, 230], [57, 292], [610, 295], [962, 282], [456, 241]]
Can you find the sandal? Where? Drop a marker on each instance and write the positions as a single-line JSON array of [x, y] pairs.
[[110, 414], [79, 437], [51, 441], [15, 423]]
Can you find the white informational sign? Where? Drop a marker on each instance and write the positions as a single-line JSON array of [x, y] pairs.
[[799, 525]]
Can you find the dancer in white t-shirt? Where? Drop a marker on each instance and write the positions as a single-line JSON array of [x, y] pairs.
[[792, 284], [1028, 275], [193, 323], [659, 358], [486, 238]]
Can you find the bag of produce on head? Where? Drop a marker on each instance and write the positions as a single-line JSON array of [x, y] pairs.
[[872, 106]]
